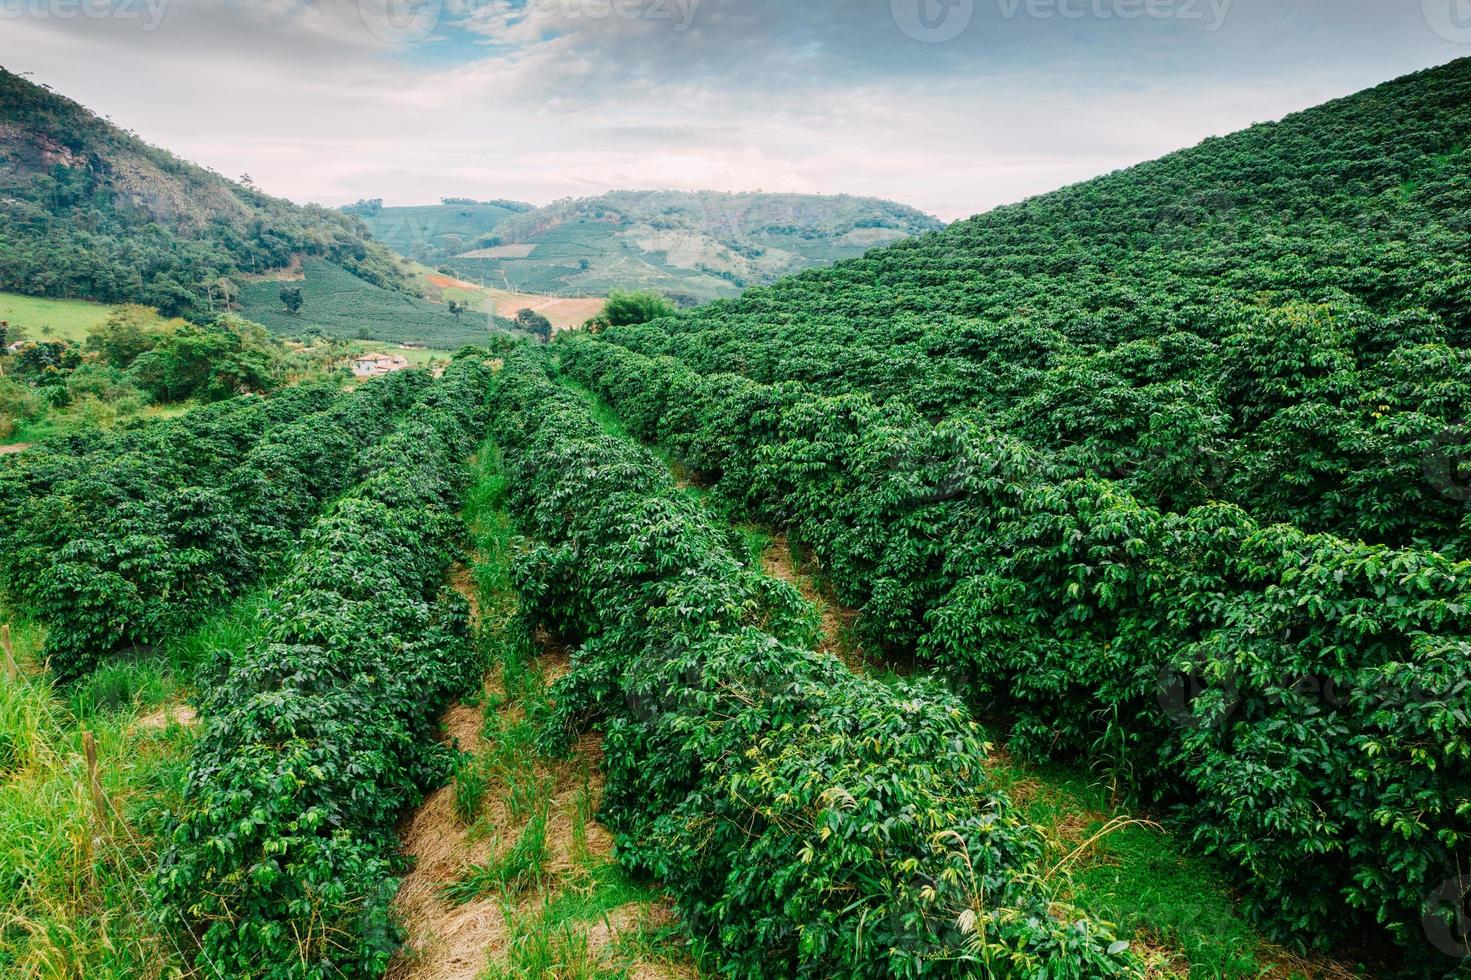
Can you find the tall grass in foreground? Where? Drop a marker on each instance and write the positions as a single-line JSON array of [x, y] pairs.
[[73, 901]]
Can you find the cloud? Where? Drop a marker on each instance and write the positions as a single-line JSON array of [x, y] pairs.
[[537, 99]]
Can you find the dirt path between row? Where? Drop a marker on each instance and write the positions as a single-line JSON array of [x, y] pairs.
[[460, 940], [835, 621]]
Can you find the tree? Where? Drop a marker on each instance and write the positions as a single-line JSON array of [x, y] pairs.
[[534, 323], [130, 331], [456, 307], [626, 309], [292, 299], [49, 357]]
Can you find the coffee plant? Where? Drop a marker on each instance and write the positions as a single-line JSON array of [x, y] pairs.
[[125, 539], [321, 730], [1166, 471], [810, 822]]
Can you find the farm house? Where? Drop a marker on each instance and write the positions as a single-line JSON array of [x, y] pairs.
[[376, 365]]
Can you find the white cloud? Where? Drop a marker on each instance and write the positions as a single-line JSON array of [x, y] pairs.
[[754, 93]]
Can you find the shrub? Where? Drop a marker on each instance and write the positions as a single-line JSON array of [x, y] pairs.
[[808, 821]]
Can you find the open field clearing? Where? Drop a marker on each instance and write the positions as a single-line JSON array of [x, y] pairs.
[[52, 319]]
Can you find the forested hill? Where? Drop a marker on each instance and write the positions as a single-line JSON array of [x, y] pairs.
[[90, 211], [691, 245]]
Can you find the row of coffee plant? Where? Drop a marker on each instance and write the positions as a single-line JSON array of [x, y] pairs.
[[128, 538], [1279, 319], [321, 730], [1299, 701], [809, 822]]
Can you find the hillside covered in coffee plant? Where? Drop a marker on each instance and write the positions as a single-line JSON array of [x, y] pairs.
[[1165, 471]]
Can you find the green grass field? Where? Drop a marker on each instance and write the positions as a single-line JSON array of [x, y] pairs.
[[52, 319]]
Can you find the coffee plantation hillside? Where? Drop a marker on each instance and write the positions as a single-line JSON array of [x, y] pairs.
[[431, 233], [1166, 470], [123, 538], [808, 820], [88, 211]]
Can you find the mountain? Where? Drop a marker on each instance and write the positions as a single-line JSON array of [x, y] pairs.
[[434, 232], [694, 246], [1168, 471], [90, 211]]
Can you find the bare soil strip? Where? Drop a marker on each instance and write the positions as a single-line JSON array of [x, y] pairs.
[[489, 934], [836, 622]]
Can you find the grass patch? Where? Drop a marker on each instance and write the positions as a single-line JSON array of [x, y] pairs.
[[73, 899], [607, 888], [537, 949], [53, 319], [1177, 906], [522, 868]]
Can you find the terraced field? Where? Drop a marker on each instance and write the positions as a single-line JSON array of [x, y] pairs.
[[338, 304]]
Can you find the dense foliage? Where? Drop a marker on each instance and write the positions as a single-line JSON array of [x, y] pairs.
[[626, 309], [320, 731], [809, 821], [1167, 470], [124, 537], [93, 212]]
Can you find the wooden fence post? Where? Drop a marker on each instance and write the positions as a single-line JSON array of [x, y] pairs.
[[11, 670], [94, 784]]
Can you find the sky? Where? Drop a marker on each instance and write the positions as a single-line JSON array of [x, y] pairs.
[[952, 106]]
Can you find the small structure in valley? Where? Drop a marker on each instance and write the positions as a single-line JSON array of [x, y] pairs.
[[376, 365]]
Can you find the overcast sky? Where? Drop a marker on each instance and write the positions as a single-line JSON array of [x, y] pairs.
[[953, 106]]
